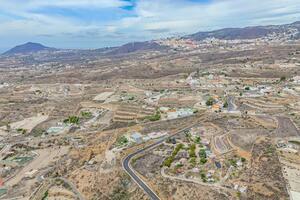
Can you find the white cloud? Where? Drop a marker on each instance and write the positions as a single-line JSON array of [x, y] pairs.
[[149, 19]]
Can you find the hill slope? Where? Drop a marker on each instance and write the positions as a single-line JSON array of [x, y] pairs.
[[29, 47], [247, 32]]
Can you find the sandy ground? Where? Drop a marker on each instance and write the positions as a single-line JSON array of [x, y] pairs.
[[103, 96], [28, 124], [60, 193], [45, 157]]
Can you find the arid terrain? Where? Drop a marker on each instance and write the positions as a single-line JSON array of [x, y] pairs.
[[221, 111]]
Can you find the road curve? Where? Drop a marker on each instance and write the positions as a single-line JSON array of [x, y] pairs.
[[127, 167]]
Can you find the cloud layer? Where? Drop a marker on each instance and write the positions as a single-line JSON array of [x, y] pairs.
[[97, 23]]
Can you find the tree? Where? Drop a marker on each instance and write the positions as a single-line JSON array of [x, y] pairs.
[[283, 78]]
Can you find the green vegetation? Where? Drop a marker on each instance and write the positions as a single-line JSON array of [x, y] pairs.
[[37, 132], [203, 176], [130, 98], [72, 120], [210, 101], [192, 151], [178, 165], [21, 130], [241, 94], [170, 159], [202, 155], [283, 78], [122, 141], [45, 195], [232, 162], [247, 88], [193, 161], [243, 159], [270, 149], [155, 117], [203, 161], [86, 114], [197, 140], [225, 105]]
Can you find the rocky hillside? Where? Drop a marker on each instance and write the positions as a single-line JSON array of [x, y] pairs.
[[249, 32]]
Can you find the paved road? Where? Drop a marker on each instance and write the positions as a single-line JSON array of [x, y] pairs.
[[127, 167]]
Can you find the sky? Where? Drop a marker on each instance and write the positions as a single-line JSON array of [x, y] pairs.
[[101, 23]]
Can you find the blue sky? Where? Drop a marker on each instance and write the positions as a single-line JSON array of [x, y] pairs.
[[100, 23]]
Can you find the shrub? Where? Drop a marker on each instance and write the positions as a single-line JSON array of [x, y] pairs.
[[210, 101], [86, 114], [283, 78], [122, 140], [155, 117], [225, 105], [193, 161], [168, 161], [192, 151], [21, 130], [203, 161], [202, 153], [72, 120], [197, 140]]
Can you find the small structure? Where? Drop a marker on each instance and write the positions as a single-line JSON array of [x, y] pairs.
[[136, 137]]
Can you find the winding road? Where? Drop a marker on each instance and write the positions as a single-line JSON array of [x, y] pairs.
[[127, 167]]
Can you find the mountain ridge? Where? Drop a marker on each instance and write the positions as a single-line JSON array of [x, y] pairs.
[[29, 47]]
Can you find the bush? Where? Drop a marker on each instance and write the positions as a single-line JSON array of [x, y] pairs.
[[155, 117], [86, 114], [283, 78], [247, 88], [192, 151], [225, 105], [202, 153], [21, 130], [197, 140], [203, 177], [232, 162], [203, 161], [193, 161], [170, 159], [122, 140], [72, 120], [45, 195], [210, 101]]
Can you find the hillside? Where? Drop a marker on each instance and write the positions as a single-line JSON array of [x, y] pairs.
[[247, 32], [29, 47]]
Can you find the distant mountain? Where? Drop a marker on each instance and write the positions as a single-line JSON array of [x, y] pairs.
[[247, 32], [29, 47], [136, 46]]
